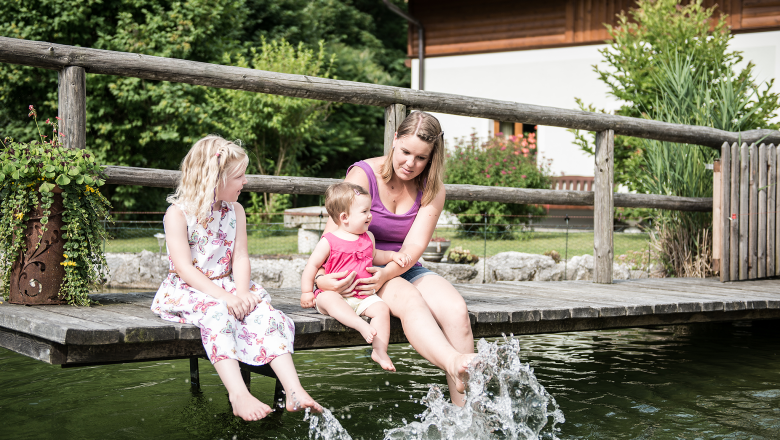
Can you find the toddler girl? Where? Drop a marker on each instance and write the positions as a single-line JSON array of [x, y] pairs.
[[351, 248], [208, 282]]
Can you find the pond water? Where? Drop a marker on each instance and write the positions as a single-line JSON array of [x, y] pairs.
[[688, 382]]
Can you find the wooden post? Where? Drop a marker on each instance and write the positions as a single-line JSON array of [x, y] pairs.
[[394, 115], [761, 212], [73, 106], [603, 207], [771, 210], [753, 214], [717, 216], [744, 209], [734, 209]]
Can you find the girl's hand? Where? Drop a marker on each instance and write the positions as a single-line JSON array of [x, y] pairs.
[[250, 300], [236, 306], [374, 283], [401, 259], [307, 300], [339, 282]]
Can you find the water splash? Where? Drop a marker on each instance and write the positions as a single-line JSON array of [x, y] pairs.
[[503, 400], [325, 426]]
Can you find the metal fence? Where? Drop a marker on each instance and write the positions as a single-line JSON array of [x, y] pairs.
[[632, 245]]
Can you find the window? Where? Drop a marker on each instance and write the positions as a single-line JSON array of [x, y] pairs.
[[512, 128]]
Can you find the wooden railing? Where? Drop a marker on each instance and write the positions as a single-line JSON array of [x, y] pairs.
[[74, 62]]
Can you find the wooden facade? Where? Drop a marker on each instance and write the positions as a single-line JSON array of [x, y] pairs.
[[456, 27]]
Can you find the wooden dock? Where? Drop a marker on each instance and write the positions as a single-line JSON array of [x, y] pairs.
[[123, 329]]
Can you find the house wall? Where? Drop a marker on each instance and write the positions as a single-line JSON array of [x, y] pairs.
[[553, 77]]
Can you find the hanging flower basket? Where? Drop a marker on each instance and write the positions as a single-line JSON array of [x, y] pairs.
[[51, 221]]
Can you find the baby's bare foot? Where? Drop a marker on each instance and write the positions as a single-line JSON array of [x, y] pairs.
[[300, 399], [381, 358], [461, 374], [248, 407], [368, 332]]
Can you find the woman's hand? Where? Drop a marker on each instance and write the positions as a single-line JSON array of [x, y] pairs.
[[339, 282], [374, 283]]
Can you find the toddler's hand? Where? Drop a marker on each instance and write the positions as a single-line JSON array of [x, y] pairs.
[[401, 258], [307, 300]]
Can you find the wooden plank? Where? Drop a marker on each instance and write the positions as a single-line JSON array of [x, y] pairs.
[[762, 211], [777, 209], [753, 214], [308, 185], [734, 214], [57, 56], [717, 201], [34, 347], [744, 209], [54, 327], [771, 208], [603, 207], [394, 115], [72, 107], [725, 213], [133, 329]]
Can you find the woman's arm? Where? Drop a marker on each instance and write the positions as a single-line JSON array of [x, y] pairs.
[[176, 238]]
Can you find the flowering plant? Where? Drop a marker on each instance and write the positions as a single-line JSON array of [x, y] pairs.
[[31, 175], [500, 161]]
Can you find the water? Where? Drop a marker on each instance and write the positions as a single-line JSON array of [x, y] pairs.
[[698, 381]]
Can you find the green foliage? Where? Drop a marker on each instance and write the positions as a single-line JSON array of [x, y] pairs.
[[458, 255], [507, 162], [657, 34], [31, 173], [152, 124]]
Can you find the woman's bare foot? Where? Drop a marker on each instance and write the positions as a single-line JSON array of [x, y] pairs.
[[300, 399], [459, 370], [248, 407], [383, 360], [367, 331]]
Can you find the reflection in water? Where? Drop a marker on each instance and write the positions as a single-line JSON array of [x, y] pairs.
[[696, 381]]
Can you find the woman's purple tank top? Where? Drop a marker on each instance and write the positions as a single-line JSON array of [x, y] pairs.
[[389, 229]]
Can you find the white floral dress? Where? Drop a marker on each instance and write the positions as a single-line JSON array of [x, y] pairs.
[[262, 335]]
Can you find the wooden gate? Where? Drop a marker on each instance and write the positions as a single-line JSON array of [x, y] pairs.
[[748, 212]]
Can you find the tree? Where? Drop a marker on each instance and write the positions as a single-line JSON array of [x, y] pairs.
[[653, 35]]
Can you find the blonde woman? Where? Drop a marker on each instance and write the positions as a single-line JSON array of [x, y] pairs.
[[209, 284], [407, 192]]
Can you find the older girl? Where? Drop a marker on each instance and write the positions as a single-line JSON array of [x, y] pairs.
[[407, 192]]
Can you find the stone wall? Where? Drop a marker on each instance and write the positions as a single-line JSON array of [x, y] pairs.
[[146, 270]]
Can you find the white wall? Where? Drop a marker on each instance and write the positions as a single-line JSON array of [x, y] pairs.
[[553, 77]]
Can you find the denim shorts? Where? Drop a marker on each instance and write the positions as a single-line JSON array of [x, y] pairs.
[[415, 273]]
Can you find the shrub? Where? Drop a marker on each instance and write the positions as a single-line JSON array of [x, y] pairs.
[[501, 161]]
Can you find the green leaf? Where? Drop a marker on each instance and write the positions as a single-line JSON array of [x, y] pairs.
[[62, 180], [80, 180], [73, 171], [46, 187], [15, 175]]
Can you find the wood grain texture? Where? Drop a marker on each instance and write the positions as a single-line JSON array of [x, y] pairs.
[[717, 201], [771, 208], [72, 108], [308, 185], [744, 211], [761, 212], [734, 221], [95, 61], [777, 209], [394, 115], [725, 213], [753, 214], [603, 207]]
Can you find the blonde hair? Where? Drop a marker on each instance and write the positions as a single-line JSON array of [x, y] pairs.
[[427, 128], [339, 198], [209, 162]]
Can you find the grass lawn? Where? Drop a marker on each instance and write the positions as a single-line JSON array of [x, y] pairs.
[[286, 243]]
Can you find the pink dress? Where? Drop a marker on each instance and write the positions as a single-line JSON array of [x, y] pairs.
[[349, 255], [262, 335]]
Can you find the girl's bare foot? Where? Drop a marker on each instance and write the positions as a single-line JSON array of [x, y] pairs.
[[300, 399], [367, 331], [248, 407], [381, 358], [459, 370]]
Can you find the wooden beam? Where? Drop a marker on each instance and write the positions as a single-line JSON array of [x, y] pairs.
[[603, 207], [394, 115], [72, 106], [771, 202], [717, 223], [734, 216], [762, 211], [309, 185], [744, 209], [57, 56], [753, 214], [725, 213]]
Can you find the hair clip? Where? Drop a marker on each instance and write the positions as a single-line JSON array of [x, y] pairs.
[[357, 193], [217, 154], [442, 134]]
